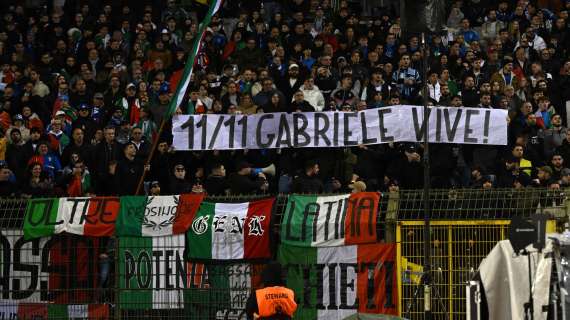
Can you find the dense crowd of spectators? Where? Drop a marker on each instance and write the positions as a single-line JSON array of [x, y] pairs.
[[84, 87]]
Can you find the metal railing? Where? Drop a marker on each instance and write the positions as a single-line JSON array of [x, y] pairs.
[[68, 276]]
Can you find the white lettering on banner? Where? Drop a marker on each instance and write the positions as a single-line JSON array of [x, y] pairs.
[[403, 123]]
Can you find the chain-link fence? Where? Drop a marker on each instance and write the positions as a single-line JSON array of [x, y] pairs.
[[70, 276]]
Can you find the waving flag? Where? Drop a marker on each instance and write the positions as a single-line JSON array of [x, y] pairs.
[[185, 79]]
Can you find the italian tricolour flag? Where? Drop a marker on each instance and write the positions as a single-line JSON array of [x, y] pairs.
[[157, 216], [231, 231], [344, 280], [323, 221], [82, 216]]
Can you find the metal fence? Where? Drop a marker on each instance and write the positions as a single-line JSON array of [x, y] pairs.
[[69, 276]]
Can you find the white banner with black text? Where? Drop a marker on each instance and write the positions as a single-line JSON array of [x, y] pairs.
[[402, 123]]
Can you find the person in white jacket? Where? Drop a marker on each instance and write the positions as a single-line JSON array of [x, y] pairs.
[[312, 94]]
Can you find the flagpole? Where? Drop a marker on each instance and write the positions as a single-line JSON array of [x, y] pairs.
[[151, 154], [182, 86]]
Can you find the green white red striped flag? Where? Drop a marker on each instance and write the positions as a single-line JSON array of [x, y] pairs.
[[82, 216], [335, 283], [157, 216], [182, 87], [25, 310], [315, 221], [152, 272], [231, 231]]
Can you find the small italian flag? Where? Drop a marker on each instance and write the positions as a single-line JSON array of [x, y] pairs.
[[157, 216], [229, 231], [312, 221], [22, 310], [82, 216]]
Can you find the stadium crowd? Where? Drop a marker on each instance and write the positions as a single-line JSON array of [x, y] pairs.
[[84, 87]]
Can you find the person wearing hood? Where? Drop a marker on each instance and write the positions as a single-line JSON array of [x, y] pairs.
[[273, 300]]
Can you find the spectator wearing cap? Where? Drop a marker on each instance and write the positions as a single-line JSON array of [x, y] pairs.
[[505, 76], [325, 79], [179, 181], [154, 189], [158, 109], [243, 182], [85, 122], [291, 83], [18, 123], [131, 104], [57, 139]]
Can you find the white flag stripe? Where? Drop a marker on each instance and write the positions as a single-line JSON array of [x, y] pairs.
[[66, 212], [167, 298], [331, 255], [322, 225], [230, 217], [61, 216], [159, 216], [9, 309], [78, 311]]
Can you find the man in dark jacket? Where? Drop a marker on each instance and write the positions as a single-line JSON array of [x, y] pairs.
[[179, 184], [106, 153], [242, 182], [127, 172], [216, 183], [77, 145], [309, 182]]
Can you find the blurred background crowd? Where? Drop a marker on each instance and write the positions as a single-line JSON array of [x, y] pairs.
[[84, 86]]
